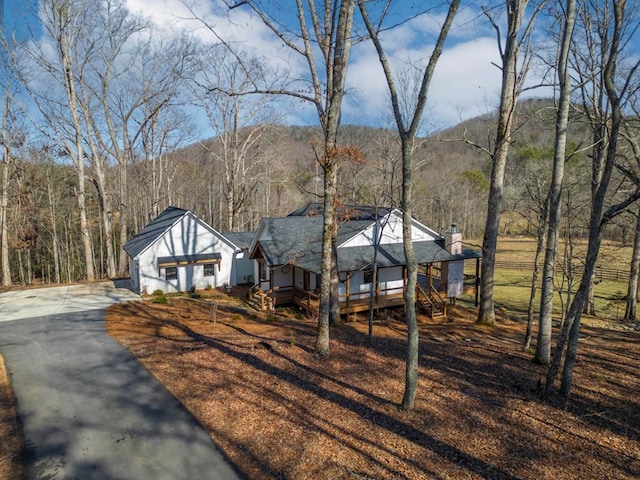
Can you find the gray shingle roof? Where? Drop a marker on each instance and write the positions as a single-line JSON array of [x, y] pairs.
[[290, 239], [154, 230], [390, 255], [240, 239], [345, 212], [298, 240]]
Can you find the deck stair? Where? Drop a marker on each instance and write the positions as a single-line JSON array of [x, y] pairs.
[[431, 303], [259, 299]]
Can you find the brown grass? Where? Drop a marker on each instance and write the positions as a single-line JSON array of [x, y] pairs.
[[279, 411], [10, 444]]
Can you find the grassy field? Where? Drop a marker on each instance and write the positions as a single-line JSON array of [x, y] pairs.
[[513, 286]]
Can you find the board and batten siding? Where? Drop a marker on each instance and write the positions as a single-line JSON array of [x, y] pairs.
[[189, 236], [390, 280], [391, 233]]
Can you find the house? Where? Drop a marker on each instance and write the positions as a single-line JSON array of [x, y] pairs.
[[244, 266], [178, 251], [288, 254]]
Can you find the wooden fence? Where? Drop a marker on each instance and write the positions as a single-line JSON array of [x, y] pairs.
[[602, 273]]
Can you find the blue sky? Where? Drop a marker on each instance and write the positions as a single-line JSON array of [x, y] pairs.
[[17, 16], [466, 83]]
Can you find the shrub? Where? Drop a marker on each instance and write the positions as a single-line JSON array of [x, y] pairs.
[[158, 292], [160, 299]]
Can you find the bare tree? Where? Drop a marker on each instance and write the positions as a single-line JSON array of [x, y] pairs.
[[543, 345], [239, 123], [631, 136], [630, 313], [407, 123], [514, 68], [51, 77], [322, 40], [608, 29], [7, 140]]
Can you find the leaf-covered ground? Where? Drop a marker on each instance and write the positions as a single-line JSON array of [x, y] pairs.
[[279, 411], [10, 444]]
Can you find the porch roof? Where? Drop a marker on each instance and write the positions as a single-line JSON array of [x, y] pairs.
[[186, 259], [357, 258]]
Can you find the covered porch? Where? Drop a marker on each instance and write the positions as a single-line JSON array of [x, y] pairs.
[[292, 285]]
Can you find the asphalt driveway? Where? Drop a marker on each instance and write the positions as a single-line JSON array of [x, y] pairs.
[[88, 408]]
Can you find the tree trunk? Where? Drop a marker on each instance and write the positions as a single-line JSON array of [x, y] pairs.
[[69, 82], [337, 61], [54, 233], [543, 345], [328, 235], [632, 289], [123, 209], [4, 199], [407, 130], [4, 231], [590, 304], [534, 279], [411, 367], [104, 204], [602, 172], [508, 101]]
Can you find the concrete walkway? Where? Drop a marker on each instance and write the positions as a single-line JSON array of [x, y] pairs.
[[88, 408]]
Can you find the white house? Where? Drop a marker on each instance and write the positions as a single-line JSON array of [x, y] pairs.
[[288, 252], [177, 251]]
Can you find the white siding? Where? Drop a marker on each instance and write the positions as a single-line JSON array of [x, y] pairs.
[[244, 269], [388, 278], [299, 274], [391, 279], [189, 236], [391, 233], [453, 273], [282, 278]]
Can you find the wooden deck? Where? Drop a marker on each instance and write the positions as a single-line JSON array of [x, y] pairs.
[[310, 302]]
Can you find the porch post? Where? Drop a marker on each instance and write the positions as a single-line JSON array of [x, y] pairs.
[[477, 281], [348, 287]]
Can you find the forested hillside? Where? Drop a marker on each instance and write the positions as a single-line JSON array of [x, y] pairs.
[[279, 172]]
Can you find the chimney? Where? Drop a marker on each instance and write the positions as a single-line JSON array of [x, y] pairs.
[[453, 240]]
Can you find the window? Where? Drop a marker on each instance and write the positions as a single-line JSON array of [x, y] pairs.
[[368, 275], [264, 272], [209, 269], [171, 273]]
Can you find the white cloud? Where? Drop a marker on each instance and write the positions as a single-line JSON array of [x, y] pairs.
[[238, 26], [465, 84]]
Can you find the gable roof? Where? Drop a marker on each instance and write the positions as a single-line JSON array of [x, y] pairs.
[[154, 230], [242, 240], [289, 239], [344, 212], [297, 239]]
